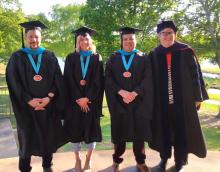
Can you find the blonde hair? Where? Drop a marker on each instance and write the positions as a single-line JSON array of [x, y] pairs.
[[79, 38]]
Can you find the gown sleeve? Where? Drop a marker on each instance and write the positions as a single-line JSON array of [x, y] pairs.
[[58, 87], [111, 90], [146, 83], [109, 81], [96, 89], [72, 89], [200, 93], [15, 88]]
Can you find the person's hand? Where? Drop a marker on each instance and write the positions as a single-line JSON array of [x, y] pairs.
[[134, 94], [84, 104], [127, 96], [126, 101], [42, 103], [198, 105], [123, 93], [39, 108], [34, 102]]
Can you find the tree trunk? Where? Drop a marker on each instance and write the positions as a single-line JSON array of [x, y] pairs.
[[218, 115], [217, 55]]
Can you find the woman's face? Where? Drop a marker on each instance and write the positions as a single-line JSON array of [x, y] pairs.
[[85, 43], [167, 37], [128, 42]]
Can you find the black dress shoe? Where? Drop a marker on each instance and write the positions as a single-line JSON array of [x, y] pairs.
[[179, 168], [161, 167], [179, 165]]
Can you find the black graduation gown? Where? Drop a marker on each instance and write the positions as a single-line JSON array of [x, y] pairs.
[[129, 122], [39, 132], [82, 126], [188, 88]]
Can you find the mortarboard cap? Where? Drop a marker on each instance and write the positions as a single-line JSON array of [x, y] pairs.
[[128, 30], [166, 24], [83, 31], [31, 25]]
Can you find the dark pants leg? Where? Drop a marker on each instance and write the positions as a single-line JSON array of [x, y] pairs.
[[180, 150], [139, 152], [166, 135], [24, 164], [119, 150], [173, 134], [47, 161]]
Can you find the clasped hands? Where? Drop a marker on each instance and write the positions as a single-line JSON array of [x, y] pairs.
[[39, 103], [127, 96], [84, 104]]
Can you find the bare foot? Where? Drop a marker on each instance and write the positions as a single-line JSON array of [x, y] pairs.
[[87, 166], [78, 167]]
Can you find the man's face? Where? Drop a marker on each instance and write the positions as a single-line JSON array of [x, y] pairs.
[[33, 39], [167, 37], [128, 42]]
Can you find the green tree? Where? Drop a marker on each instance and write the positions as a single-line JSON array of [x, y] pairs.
[[10, 34], [107, 16], [63, 21], [204, 28]]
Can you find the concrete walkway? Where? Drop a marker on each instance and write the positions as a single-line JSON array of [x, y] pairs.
[[213, 91], [8, 147], [64, 162]]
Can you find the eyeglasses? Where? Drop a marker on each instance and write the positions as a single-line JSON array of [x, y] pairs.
[[166, 33]]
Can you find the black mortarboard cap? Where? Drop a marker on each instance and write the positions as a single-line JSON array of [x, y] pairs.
[[83, 31], [166, 24], [128, 30], [31, 25]]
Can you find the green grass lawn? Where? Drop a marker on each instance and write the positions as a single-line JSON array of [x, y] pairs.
[[214, 97], [2, 80], [208, 109], [212, 137]]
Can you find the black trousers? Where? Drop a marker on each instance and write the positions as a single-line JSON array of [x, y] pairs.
[[24, 163], [138, 149], [174, 135]]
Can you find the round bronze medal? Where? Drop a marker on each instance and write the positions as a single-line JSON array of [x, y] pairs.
[[37, 77], [127, 74], [82, 82]]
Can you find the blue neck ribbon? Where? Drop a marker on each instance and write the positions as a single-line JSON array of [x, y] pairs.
[[123, 54], [39, 51], [84, 67]]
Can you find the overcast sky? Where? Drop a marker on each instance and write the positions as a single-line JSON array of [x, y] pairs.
[[44, 6]]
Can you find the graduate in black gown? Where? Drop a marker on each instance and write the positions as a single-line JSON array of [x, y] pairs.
[[179, 91], [129, 93], [84, 80], [35, 85]]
